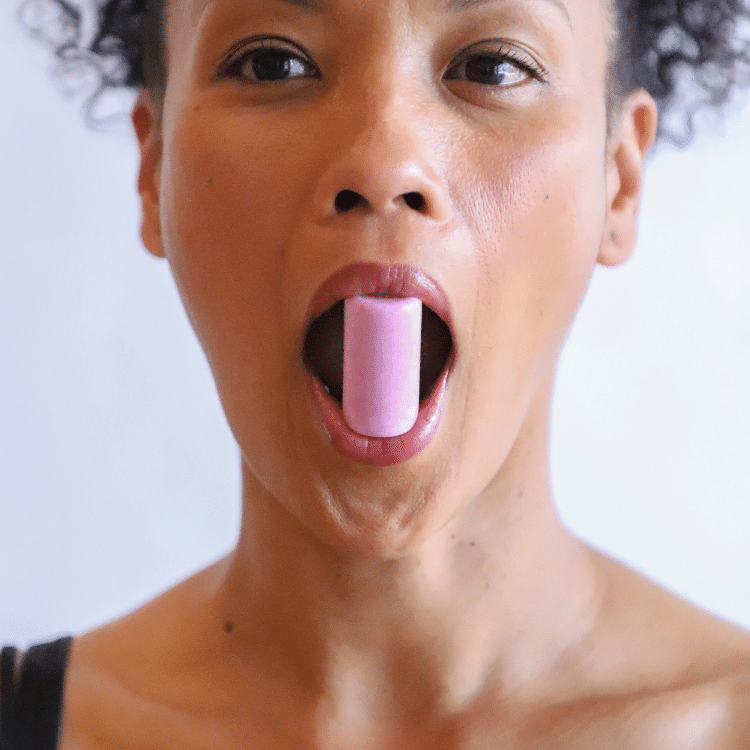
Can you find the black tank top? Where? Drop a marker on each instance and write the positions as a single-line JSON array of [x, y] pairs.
[[32, 704]]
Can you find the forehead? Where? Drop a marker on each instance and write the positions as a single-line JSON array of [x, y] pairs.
[[187, 13], [328, 6]]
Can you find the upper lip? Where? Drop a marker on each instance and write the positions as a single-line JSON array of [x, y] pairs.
[[375, 279]]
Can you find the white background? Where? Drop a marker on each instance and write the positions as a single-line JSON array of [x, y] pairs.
[[118, 474]]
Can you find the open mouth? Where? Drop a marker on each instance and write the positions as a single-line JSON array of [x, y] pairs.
[[324, 350]]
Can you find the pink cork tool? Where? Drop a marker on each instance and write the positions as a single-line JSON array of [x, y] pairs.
[[382, 343]]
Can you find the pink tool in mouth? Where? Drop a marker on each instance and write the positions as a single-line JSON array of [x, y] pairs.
[[365, 289], [382, 345]]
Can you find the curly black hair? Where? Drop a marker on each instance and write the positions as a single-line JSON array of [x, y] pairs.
[[658, 45]]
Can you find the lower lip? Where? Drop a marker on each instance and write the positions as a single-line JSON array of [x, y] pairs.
[[379, 451]]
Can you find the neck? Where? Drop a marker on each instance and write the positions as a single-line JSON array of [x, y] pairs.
[[486, 604]]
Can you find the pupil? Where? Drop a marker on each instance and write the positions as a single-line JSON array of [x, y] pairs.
[[270, 65], [485, 70]]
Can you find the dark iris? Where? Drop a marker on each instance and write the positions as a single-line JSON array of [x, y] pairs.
[[486, 70], [274, 64]]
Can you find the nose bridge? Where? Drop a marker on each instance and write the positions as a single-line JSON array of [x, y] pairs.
[[379, 146]]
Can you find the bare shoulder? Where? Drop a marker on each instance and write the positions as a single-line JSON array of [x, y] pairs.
[[657, 673], [129, 683], [678, 676], [711, 716]]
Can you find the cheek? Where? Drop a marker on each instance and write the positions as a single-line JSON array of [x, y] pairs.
[[548, 196], [223, 198], [225, 204], [537, 209], [559, 230], [230, 192]]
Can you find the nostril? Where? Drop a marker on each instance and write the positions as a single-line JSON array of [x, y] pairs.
[[348, 199], [415, 201]]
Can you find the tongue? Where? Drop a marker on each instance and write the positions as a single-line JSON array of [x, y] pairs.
[[382, 340]]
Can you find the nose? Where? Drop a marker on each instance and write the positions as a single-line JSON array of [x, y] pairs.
[[382, 163]]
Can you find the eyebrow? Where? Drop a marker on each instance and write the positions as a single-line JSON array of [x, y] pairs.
[[459, 5], [313, 5], [452, 5]]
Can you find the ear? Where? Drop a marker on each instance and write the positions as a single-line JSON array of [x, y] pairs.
[[625, 164], [148, 129]]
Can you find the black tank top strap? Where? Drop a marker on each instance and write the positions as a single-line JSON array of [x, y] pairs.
[[34, 701], [7, 694]]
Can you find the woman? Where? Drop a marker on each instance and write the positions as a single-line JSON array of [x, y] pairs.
[[412, 589]]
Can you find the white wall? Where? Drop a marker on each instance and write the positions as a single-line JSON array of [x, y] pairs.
[[118, 475]]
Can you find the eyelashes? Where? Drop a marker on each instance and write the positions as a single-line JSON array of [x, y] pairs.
[[267, 60], [273, 60], [491, 63]]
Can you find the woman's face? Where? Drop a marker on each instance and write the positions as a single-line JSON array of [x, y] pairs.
[[493, 111]]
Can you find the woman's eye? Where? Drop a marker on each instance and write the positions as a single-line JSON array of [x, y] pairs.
[[267, 64], [499, 69]]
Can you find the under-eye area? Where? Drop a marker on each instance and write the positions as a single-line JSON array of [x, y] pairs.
[[324, 350]]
